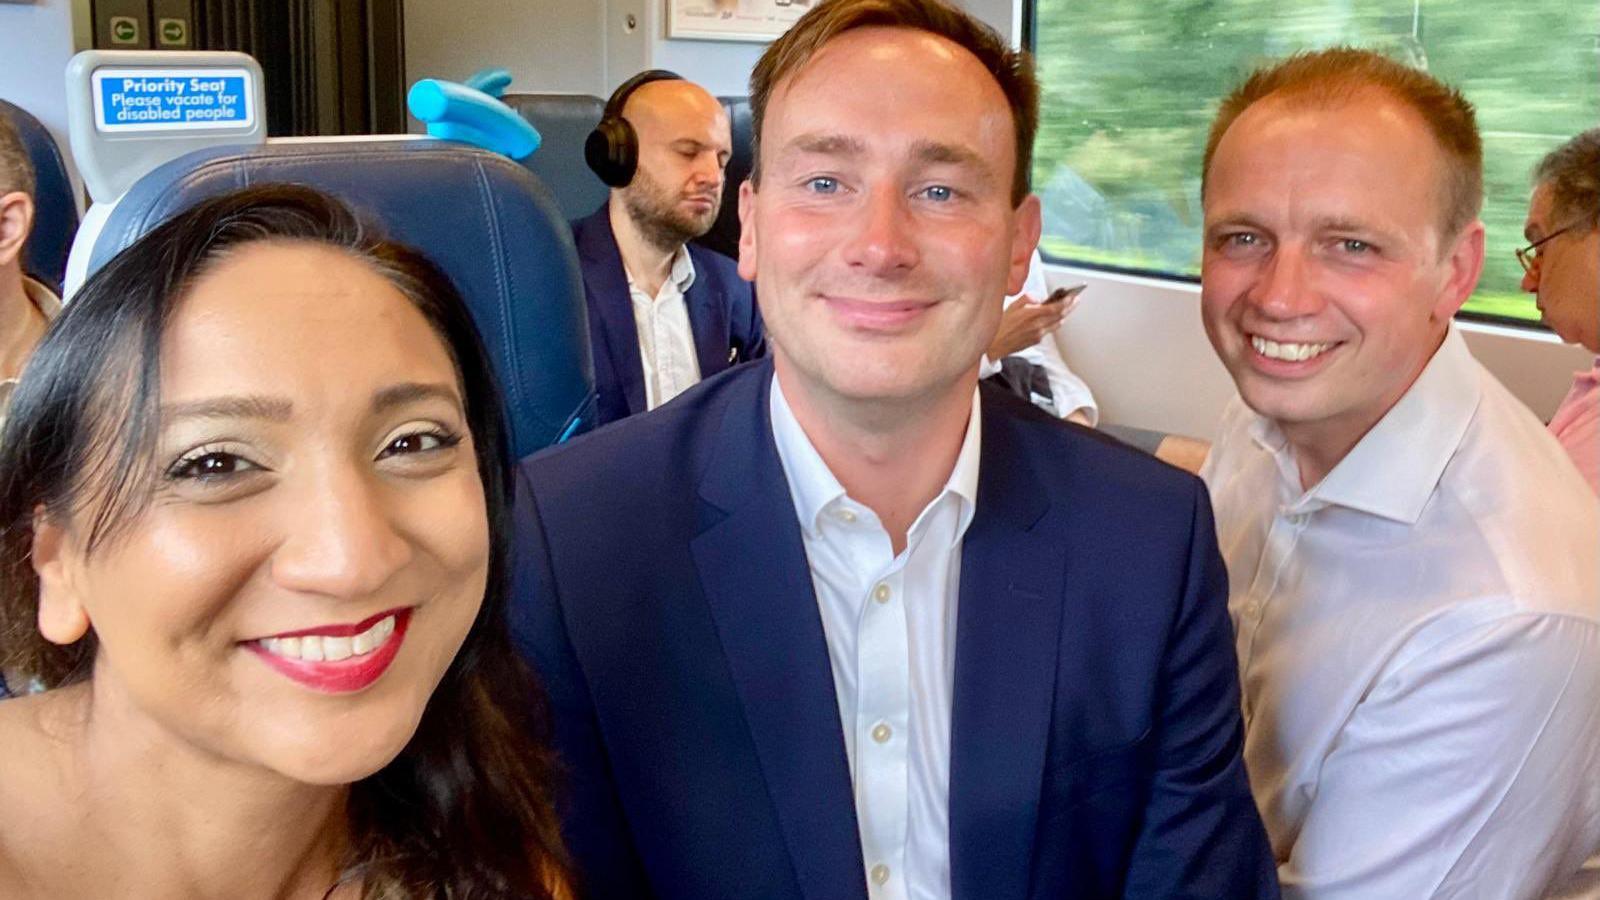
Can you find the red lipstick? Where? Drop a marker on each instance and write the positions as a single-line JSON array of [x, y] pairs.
[[340, 676]]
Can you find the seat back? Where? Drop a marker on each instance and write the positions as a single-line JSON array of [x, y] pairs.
[[483, 219], [564, 122], [55, 218]]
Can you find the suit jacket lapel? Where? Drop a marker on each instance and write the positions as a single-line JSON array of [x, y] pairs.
[[757, 582], [606, 282], [708, 319], [1007, 637]]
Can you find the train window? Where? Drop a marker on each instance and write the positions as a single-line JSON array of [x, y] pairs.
[[1129, 90]]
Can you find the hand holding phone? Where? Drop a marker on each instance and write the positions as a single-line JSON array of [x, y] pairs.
[[1062, 294], [1067, 295]]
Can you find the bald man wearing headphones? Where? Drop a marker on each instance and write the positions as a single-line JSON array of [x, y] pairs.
[[663, 314]]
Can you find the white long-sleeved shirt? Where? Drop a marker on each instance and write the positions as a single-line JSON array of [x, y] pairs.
[[890, 622], [666, 342], [1419, 645]]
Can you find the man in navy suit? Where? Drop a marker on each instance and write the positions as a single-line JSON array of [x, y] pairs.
[[663, 313], [844, 624]]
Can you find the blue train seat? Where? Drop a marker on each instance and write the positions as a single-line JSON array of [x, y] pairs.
[[485, 220], [564, 122], [55, 218]]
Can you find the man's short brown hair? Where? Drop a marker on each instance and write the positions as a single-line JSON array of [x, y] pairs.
[[1572, 172], [1343, 75], [1012, 69], [16, 167]]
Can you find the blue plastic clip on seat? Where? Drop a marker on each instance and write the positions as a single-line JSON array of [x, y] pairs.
[[455, 112]]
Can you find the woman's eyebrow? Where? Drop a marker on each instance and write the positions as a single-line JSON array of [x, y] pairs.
[[249, 406], [411, 391]]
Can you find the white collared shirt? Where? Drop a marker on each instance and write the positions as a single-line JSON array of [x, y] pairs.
[[666, 343], [891, 628], [1419, 644]]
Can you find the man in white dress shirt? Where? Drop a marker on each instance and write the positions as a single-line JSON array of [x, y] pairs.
[[843, 625], [1413, 564], [663, 312]]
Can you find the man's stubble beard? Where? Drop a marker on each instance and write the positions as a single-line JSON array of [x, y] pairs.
[[654, 212]]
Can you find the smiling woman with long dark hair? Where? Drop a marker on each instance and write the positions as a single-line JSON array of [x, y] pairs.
[[254, 495]]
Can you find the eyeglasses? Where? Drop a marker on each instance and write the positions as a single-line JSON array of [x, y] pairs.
[[1529, 255]]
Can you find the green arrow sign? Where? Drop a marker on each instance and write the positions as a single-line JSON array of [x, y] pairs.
[[124, 30]]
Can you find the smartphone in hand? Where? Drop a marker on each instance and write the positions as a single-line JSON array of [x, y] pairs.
[[1068, 295]]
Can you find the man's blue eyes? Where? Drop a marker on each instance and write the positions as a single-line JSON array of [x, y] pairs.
[[823, 185]]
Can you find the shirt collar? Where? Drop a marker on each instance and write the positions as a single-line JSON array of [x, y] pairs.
[[681, 274], [1393, 470], [815, 490], [50, 305], [42, 297]]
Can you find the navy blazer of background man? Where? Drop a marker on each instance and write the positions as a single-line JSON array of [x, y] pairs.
[[664, 595], [722, 317]]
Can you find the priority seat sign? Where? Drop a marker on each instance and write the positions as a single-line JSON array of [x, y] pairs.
[[129, 111], [149, 99]]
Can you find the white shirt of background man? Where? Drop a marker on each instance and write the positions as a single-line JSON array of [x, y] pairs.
[[890, 622], [666, 343], [1419, 647]]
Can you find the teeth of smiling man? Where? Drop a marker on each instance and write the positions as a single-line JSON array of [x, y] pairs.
[[319, 648], [1286, 351]]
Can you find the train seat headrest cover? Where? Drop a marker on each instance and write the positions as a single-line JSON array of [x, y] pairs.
[[485, 220]]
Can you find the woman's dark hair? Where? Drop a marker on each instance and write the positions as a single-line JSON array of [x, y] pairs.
[[465, 810]]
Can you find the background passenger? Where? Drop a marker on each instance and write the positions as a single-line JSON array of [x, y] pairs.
[[663, 313], [846, 624], [26, 306], [253, 540], [1562, 261], [1415, 588], [1028, 331]]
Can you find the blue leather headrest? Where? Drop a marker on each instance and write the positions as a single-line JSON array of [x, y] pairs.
[[55, 218], [564, 122], [486, 221]]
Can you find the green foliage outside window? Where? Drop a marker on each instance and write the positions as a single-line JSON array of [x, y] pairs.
[[1130, 90]]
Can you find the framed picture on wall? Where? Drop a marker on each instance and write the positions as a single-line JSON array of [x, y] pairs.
[[733, 20]]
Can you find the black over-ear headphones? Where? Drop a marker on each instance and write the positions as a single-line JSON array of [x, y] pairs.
[[612, 148]]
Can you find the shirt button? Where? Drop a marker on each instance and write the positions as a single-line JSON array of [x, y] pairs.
[[846, 516], [880, 873], [881, 593], [1253, 610], [881, 732]]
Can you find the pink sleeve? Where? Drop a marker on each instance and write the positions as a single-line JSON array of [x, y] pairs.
[[1576, 425]]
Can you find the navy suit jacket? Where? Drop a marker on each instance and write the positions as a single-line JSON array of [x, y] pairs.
[[663, 594], [722, 317]]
